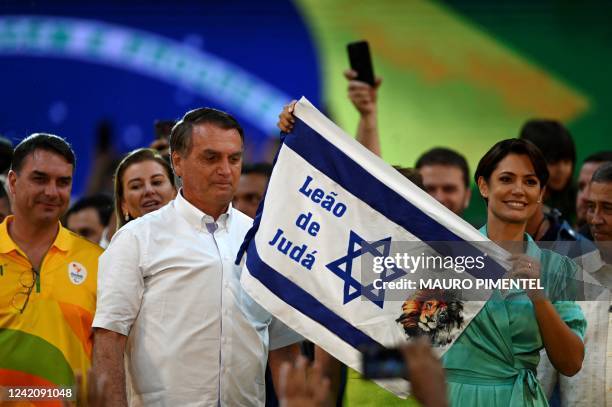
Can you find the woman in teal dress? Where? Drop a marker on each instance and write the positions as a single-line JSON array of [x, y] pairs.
[[493, 362]]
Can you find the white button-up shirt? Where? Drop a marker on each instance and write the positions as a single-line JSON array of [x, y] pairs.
[[195, 338]]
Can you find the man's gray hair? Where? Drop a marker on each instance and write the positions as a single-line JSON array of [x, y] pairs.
[[603, 173], [181, 135]]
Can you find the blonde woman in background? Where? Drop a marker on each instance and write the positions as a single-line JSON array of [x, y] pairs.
[[144, 182]]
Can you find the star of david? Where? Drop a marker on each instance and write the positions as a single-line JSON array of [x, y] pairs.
[[357, 246]]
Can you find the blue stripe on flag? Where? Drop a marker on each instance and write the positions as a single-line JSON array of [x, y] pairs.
[[304, 302], [336, 165]]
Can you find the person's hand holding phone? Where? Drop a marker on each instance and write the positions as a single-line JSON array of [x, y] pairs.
[[361, 94], [363, 84]]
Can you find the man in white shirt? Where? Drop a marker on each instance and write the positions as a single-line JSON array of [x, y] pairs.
[[592, 386], [169, 292], [599, 219]]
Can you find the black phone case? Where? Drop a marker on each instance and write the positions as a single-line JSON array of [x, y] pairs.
[[361, 61]]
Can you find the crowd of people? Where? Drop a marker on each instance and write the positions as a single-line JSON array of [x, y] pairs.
[[140, 294]]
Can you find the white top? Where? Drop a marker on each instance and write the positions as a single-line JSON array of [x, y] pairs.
[[195, 338], [609, 359]]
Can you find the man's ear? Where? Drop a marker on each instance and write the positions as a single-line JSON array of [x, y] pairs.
[[483, 187], [11, 181], [177, 163]]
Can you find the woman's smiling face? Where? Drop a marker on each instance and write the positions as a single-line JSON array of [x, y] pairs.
[[513, 190], [146, 187]]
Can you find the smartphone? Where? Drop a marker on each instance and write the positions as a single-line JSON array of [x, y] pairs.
[[361, 61], [163, 128], [383, 363]]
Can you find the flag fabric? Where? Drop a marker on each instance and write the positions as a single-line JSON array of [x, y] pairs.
[[330, 202]]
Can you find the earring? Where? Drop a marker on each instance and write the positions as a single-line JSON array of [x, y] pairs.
[[126, 216]]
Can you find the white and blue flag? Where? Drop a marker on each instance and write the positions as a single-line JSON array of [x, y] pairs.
[[329, 202]]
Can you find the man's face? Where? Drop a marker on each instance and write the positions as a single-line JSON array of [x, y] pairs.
[[250, 191], [211, 170], [584, 179], [41, 190], [86, 223], [599, 211], [445, 184]]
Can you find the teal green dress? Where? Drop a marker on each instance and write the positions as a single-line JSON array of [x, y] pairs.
[[493, 362]]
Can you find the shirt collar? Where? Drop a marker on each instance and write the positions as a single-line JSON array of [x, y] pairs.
[[195, 216], [61, 242]]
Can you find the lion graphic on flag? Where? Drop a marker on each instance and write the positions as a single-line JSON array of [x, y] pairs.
[[437, 314]]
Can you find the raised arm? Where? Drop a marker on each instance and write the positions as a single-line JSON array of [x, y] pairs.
[[364, 98]]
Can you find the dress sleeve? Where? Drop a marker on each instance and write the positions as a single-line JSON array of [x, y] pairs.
[[571, 313], [564, 286]]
